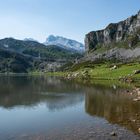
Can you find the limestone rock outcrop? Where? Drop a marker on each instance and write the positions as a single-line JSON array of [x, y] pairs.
[[127, 30]]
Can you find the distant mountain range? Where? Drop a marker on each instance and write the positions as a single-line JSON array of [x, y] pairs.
[[29, 55], [30, 39], [65, 43]]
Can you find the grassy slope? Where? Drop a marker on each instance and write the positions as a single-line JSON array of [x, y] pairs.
[[122, 71], [103, 71]]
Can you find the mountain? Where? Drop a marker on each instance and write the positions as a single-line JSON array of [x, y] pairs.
[[117, 41], [36, 50], [24, 56], [14, 62], [30, 39], [65, 43]]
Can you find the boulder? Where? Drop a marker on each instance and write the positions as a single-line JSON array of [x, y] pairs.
[[114, 67], [113, 134], [137, 72]]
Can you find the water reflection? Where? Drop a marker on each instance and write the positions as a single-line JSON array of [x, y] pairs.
[[58, 94], [29, 91], [113, 105]]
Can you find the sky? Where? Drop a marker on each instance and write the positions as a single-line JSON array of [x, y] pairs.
[[68, 18]]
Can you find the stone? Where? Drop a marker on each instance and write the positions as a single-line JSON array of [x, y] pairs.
[[137, 89], [127, 91], [138, 93], [113, 134], [129, 80], [139, 130], [136, 99], [133, 121], [114, 67], [137, 72]]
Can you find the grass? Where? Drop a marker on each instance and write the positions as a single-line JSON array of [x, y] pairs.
[[100, 72], [103, 70]]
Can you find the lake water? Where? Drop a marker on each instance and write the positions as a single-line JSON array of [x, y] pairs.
[[51, 108]]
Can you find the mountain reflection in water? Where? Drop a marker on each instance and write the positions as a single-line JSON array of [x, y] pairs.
[[18, 92], [30, 91], [113, 105]]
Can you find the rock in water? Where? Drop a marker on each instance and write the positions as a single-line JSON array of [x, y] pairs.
[[137, 72], [139, 130], [113, 134]]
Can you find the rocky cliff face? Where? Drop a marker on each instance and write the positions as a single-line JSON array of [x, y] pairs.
[[124, 31]]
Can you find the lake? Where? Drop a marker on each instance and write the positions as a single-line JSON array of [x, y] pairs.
[[51, 108]]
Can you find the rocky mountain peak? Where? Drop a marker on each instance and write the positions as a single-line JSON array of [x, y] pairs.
[[114, 32], [65, 43]]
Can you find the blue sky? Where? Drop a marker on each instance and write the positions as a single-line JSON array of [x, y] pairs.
[[69, 18]]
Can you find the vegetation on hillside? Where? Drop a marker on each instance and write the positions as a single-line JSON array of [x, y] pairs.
[[14, 63], [17, 56], [105, 71]]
